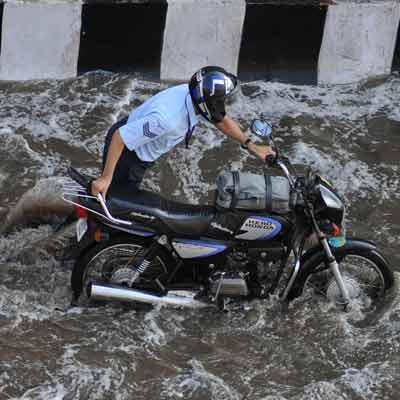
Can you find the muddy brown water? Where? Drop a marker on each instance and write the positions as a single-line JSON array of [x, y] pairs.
[[259, 351]]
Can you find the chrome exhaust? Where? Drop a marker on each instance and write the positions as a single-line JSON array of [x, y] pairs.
[[103, 291]]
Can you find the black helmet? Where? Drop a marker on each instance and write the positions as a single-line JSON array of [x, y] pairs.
[[209, 88]]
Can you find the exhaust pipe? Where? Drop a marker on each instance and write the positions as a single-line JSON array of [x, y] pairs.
[[108, 292]]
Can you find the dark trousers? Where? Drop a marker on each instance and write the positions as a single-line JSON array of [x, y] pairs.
[[129, 170]]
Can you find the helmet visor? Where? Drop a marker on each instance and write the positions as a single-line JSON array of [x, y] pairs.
[[232, 97], [216, 108]]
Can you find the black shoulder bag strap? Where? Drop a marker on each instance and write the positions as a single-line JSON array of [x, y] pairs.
[[236, 188], [268, 192]]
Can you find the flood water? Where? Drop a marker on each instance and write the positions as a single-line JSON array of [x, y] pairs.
[[261, 351]]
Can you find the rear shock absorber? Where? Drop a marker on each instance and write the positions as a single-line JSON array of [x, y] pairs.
[[148, 257]]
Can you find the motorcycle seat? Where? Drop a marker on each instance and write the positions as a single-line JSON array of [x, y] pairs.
[[182, 219]]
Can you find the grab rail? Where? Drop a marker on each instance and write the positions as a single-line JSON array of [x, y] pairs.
[[107, 212], [76, 190]]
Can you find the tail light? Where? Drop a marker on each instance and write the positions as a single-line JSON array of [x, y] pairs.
[[80, 212]]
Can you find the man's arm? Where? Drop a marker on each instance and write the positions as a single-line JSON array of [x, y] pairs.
[[232, 129], [101, 185]]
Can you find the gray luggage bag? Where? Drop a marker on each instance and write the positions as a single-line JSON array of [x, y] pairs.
[[247, 191]]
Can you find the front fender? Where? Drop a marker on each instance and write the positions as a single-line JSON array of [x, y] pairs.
[[315, 256], [351, 244]]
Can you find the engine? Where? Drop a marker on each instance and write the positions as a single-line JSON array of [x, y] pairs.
[[228, 284], [246, 271]]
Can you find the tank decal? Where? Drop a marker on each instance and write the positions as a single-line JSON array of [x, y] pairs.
[[259, 228], [197, 248]]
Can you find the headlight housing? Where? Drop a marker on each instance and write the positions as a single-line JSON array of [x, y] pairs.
[[328, 205], [330, 199]]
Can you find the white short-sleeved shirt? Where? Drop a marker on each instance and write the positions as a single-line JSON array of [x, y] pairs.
[[160, 123]]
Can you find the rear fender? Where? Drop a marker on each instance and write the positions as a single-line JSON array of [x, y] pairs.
[[107, 232], [87, 241]]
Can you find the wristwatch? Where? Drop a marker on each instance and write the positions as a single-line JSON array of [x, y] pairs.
[[245, 145]]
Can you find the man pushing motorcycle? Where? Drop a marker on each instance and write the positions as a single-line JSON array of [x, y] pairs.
[[159, 251], [134, 143]]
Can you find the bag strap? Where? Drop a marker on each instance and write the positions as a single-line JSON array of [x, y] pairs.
[[268, 192], [236, 188]]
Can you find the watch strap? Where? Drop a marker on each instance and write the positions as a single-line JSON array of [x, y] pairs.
[[245, 145]]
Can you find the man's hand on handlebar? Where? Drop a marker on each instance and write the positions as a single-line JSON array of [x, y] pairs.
[[262, 151], [101, 185]]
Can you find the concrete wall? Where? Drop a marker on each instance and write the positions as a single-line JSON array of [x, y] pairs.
[[359, 41], [199, 33], [40, 40]]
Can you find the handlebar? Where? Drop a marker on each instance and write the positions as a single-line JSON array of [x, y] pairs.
[[271, 160], [276, 160], [286, 171]]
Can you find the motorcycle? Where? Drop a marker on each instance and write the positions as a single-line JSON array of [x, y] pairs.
[[250, 244]]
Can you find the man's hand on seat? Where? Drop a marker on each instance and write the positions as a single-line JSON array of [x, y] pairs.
[[101, 185]]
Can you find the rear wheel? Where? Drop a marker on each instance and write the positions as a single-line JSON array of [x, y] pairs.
[[115, 262], [365, 273]]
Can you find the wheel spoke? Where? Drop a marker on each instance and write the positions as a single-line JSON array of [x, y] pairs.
[[362, 276], [114, 264], [316, 289]]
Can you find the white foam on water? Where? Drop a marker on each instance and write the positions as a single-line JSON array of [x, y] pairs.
[[85, 380], [348, 176], [21, 305], [12, 245], [16, 144], [154, 334], [188, 384], [44, 392], [125, 100], [352, 102], [185, 163]]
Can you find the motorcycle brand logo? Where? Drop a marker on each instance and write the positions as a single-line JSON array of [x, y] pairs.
[[266, 226], [221, 228], [259, 228], [136, 214]]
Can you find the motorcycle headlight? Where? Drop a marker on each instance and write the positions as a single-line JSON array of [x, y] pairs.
[[330, 198]]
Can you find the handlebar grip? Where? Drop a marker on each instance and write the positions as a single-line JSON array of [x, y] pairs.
[[270, 160]]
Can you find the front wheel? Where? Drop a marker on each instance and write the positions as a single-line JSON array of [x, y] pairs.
[[115, 262], [366, 275]]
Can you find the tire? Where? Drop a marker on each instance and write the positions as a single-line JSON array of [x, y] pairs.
[[102, 263], [365, 272]]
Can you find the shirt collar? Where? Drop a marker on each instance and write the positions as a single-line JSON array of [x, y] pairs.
[[192, 113]]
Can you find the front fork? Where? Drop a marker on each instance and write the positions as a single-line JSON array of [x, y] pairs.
[[334, 266]]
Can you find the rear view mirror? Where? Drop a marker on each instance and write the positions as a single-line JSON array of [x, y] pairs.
[[262, 129]]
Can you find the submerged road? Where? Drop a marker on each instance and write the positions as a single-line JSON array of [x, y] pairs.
[[350, 133]]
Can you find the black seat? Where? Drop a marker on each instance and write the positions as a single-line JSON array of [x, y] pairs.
[[183, 219]]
